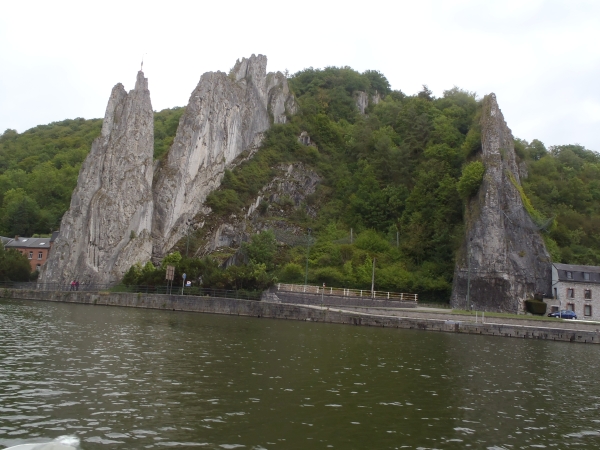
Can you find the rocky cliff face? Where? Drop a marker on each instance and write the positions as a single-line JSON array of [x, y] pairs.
[[361, 99], [503, 254], [108, 226], [285, 195], [226, 115], [124, 210]]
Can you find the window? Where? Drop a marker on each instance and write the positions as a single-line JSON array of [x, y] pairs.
[[37, 267], [586, 276], [570, 275], [587, 310], [587, 294], [554, 309], [555, 293], [570, 293], [40, 255], [30, 255], [571, 307]]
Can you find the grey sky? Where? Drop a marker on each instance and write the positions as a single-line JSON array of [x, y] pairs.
[[60, 59]]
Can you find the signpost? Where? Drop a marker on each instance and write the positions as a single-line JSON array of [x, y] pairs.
[[170, 276]]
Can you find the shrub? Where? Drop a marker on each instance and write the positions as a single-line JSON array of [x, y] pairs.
[[292, 272], [224, 201], [535, 307], [470, 180], [371, 241]]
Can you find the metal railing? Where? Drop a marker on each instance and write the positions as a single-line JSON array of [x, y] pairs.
[[146, 289], [343, 292]]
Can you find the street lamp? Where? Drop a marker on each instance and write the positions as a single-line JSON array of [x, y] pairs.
[[307, 254]]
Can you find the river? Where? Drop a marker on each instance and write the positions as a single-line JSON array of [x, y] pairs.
[[129, 378]]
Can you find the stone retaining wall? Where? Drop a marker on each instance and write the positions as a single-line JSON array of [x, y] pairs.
[[302, 312], [307, 298]]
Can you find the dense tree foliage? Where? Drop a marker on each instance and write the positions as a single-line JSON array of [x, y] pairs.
[[38, 172], [206, 272], [165, 127], [564, 184]]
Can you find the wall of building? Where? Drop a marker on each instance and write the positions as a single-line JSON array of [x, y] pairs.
[[578, 300], [262, 309], [35, 259]]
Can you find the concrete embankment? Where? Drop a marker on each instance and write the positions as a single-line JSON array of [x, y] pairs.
[[429, 322]]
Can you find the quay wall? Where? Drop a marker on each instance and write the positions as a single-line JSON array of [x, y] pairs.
[[288, 311]]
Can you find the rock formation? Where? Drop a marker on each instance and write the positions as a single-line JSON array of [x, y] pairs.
[[361, 98], [226, 115], [108, 226], [503, 257], [124, 210]]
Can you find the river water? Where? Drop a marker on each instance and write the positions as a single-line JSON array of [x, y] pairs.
[[131, 379]]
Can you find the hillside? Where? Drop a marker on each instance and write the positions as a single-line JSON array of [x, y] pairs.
[[393, 182]]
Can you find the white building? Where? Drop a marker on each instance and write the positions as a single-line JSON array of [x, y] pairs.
[[576, 288]]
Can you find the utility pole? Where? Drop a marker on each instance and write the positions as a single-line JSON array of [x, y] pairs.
[[307, 254], [468, 279], [187, 246], [322, 294], [373, 281]]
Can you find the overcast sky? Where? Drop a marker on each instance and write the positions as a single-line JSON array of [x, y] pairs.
[[60, 59]]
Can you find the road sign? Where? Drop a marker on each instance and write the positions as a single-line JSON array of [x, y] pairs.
[[170, 273], [184, 276]]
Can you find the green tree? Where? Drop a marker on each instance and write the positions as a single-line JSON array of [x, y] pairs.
[[20, 213], [470, 180], [262, 248], [14, 266]]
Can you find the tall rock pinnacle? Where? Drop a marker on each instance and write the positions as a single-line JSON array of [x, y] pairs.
[[108, 225], [503, 259], [226, 115]]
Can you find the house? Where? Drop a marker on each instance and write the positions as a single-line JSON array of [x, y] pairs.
[[576, 288], [36, 249]]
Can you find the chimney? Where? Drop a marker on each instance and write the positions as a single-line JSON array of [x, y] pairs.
[[17, 237]]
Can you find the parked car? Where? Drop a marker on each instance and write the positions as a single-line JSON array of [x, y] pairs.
[[564, 314]]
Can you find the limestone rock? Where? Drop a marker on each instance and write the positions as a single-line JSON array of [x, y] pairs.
[[226, 115], [362, 99], [503, 253], [108, 225]]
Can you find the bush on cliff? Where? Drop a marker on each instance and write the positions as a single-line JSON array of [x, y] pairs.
[[470, 180]]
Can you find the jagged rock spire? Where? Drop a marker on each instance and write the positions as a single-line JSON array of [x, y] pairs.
[[503, 254], [107, 227], [226, 115]]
